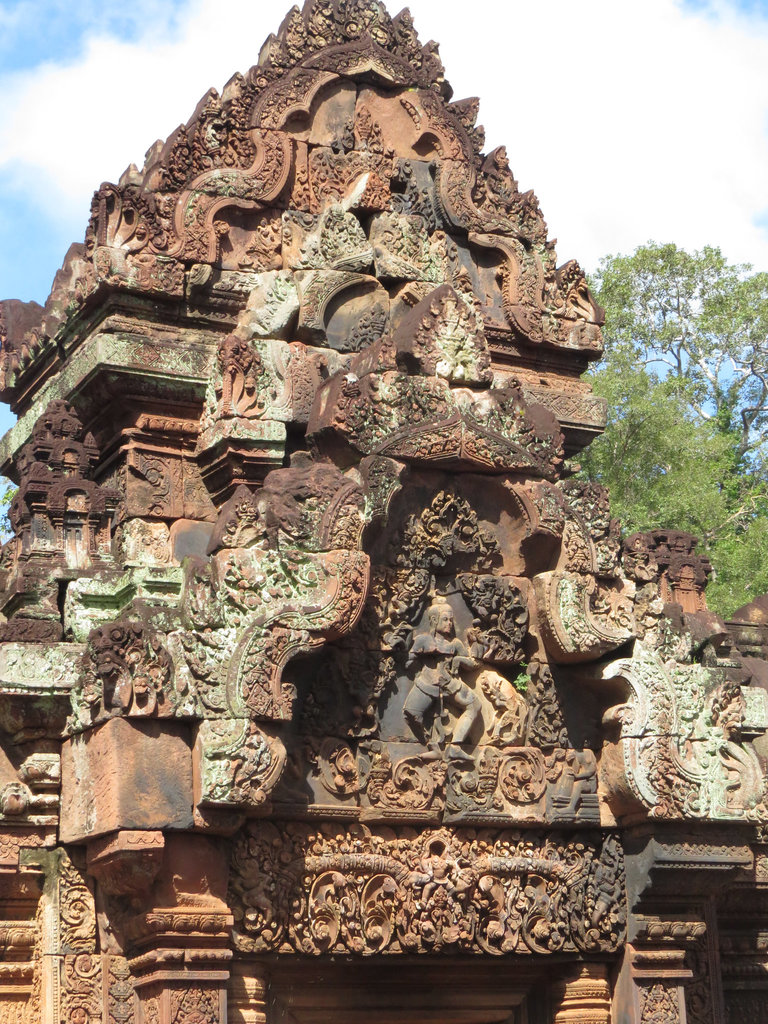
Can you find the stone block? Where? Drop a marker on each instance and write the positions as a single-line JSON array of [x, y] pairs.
[[113, 778]]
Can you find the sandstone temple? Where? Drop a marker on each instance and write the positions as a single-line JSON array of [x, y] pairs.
[[329, 691]]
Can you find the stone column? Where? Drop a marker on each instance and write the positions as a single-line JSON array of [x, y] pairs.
[[178, 941], [179, 985], [585, 998], [19, 933], [21, 937], [248, 994], [66, 968]]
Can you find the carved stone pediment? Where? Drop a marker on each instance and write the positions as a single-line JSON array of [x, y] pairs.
[[315, 648], [424, 395]]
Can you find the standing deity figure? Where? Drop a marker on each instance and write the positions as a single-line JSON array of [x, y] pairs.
[[440, 657]]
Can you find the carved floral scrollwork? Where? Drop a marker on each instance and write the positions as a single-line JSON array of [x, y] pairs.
[[238, 763], [678, 738], [582, 618], [332, 586], [197, 1004], [405, 785], [81, 988], [501, 622], [446, 532], [259, 185], [522, 784], [334, 240], [660, 1005], [78, 914], [284, 577], [322, 891], [338, 767], [591, 505], [522, 777]]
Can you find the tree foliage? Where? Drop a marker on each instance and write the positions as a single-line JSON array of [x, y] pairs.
[[685, 374], [7, 494]]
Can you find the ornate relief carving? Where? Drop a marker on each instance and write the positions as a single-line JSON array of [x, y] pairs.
[[404, 251], [141, 271], [259, 185], [447, 531], [320, 891], [120, 996], [392, 644], [678, 737], [279, 582], [126, 863], [195, 1005], [238, 763], [417, 416], [81, 987], [501, 618], [443, 337], [333, 240], [581, 618], [439, 657], [259, 385], [60, 519], [334, 583], [77, 929], [745, 1007], [126, 670], [407, 787], [660, 1004], [668, 557]]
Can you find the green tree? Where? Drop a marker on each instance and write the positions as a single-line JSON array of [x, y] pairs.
[[7, 494], [685, 374]]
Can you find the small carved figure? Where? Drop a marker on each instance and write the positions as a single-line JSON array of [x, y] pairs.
[[510, 708], [575, 775], [441, 656], [437, 870]]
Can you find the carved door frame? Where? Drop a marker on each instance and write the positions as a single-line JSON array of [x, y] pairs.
[[409, 990]]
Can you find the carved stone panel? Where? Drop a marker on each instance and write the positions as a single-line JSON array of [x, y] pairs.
[[437, 891]]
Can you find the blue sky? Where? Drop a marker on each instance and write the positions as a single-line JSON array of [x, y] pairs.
[[631, 121], [33, 32], [749, 8]]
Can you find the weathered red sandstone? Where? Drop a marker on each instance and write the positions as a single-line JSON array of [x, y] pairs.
[[327, 692]]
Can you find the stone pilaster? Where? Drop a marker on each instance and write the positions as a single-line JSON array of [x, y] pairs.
[[651, 986], [181, 938]]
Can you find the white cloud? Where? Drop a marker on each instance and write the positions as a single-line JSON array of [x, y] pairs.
[[631, 121]]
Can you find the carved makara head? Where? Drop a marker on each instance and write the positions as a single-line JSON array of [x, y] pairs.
[[110, 649]]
